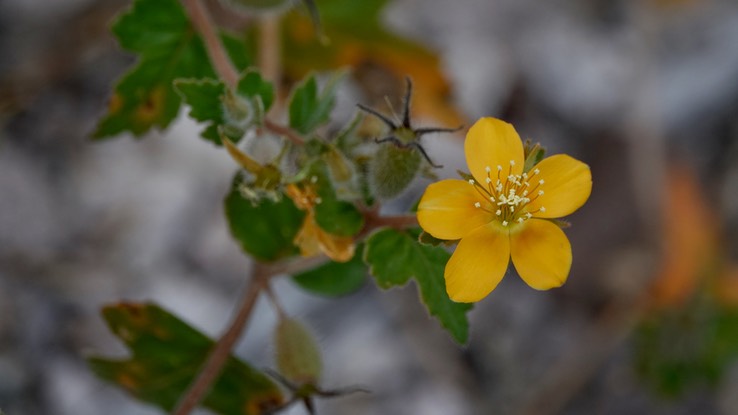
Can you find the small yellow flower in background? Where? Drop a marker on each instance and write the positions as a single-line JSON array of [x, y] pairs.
[[501, 213], [312, 239]]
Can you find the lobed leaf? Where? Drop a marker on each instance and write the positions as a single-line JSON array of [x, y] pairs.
[[394, 257], [309, 109], [167, 353], [168, 48]]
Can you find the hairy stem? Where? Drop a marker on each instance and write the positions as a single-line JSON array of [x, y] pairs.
[[203, 23], [222, 349], [213, 366]]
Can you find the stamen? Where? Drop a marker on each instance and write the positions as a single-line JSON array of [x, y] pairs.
[[471, 181], [498, 213], [491, 199], [528, 215], [487, 169], [512, 209], [536, 171], [540, 193], [477, 205], [504, 223], [512, 162], [521, 220], [499, 168], [488, 180], [541, 181], [542, 209]]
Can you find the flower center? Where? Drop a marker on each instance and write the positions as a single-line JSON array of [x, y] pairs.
[[507, 196]]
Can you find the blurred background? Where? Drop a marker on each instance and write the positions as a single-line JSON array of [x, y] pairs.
[[645, 92]]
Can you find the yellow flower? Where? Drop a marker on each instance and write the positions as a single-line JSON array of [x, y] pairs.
[[312, 239], [502, 213]]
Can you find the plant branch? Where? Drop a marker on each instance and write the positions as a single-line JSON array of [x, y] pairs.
[[291, 134], [203, 23], [213, 366], [222, 349]]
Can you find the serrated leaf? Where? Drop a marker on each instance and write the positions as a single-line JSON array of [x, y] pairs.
[[166, 355], [266, 229], [204, 98], [209, 100], [168, 48], [335, 279], [253, 86], [309, 109], [394, 257]]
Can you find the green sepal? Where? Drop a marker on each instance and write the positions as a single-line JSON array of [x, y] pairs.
[[394, 257], [533, 154], [167, 354], [308, 108], [335, 279], [264, 228]]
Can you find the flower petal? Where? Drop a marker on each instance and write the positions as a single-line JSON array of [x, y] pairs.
[[447, 209], [567, 185], [478, 264], [541, 253], [491, 142], [337, 248]]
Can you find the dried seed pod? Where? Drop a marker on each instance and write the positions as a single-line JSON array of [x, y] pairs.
[[297, 354]]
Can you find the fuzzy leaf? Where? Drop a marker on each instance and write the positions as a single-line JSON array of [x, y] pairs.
[[167, 353], [252, 85], [168, 48], [335, 279], [265, 229], [204, 98], [309, 109], [394, 257]]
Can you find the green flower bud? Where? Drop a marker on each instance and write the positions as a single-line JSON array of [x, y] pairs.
[[297, 355], [392, 170]]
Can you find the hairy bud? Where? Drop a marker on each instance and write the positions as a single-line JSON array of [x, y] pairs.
[[392, 169], [297, 354]]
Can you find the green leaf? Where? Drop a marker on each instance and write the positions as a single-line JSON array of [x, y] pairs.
[[241, 52], [335, 279], [335, 216], [265, 229], [253, 86], [394, 257], [166, 355], [168, 48], [204, 98], [209, 101], [309, 109]]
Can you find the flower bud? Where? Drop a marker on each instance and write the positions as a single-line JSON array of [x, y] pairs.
[[297, 355], [392, 169]]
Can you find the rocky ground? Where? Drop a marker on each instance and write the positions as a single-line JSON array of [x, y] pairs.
[[626, 86]]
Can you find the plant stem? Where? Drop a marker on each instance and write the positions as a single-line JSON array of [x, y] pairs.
[[269, 49], [219, 355], [213, 366], [203, 23]]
